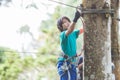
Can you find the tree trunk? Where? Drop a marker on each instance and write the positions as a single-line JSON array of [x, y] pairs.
[[114, 39], [97, 41]]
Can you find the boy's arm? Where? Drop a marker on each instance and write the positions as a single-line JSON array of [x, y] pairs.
[[80, 65], [72, 25], [70, 28], [82, 30]]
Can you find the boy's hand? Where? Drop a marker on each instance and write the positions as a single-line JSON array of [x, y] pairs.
[[76, 17]]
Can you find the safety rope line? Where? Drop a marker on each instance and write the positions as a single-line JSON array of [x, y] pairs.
[[18, 51], [87, 10], [90, 11]]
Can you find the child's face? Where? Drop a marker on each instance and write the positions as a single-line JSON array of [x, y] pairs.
[[65, 24]]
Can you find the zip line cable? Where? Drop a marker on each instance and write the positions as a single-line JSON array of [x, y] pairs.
[[87, 11]]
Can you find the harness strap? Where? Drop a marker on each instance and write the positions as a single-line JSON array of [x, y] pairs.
[[65, 67], [63, 55]]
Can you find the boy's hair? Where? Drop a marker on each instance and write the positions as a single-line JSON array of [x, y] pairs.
[[59, 23]]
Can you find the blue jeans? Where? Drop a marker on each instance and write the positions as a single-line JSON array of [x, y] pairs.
[[64, 74]]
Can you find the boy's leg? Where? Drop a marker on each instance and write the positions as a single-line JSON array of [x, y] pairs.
[[81, 75], [63, 75], [73, 73]]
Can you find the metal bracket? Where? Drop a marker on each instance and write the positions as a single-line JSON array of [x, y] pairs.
[[118, 19], [97, 11]]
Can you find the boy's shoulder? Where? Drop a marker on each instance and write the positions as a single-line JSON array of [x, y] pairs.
[[62, 33], [76, 30]]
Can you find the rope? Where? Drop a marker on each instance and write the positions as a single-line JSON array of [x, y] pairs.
[[87, 10], [18, 51]]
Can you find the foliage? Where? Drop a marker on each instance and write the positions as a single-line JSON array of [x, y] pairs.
[[24, 29], [51, 43], [1, 55], [13, 64]]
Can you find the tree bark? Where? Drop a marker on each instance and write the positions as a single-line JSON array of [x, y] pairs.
[[114, 39], [97, 41]]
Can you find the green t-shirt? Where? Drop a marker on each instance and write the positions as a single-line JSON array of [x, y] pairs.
[[68, 43]]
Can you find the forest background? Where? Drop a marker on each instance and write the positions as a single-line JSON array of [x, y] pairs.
[[29, 44]]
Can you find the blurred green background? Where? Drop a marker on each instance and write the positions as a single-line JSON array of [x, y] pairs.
[[31, 52]]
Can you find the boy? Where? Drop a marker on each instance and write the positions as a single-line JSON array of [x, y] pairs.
[[68, 45]]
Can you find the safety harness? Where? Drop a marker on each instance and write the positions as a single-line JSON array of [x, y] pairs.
[[67, 64]]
